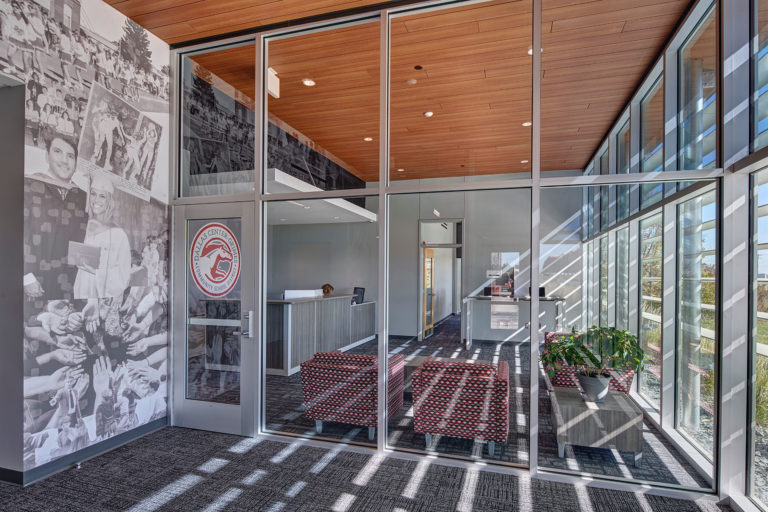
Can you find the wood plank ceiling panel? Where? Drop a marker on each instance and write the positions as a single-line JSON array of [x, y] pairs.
[[475, 76]]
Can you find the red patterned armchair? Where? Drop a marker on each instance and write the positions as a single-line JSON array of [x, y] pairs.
[[341, 388], [464, 400], [621, 380]]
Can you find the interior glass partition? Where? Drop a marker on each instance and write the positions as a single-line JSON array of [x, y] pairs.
[[217, 121], [616, 438], [461, 98], [461, 111], [697, 124], [696, 322], [322, 126], [459, 317], [320, 345]]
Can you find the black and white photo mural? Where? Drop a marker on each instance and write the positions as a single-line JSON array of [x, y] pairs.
[[96, 221]]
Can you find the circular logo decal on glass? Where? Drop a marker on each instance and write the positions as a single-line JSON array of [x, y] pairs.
[[215, 260]]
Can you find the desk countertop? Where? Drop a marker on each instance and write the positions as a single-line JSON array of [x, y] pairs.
[[501, 299], [308, 299]]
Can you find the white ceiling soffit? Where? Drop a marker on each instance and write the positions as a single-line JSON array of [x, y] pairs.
[[314, 211]]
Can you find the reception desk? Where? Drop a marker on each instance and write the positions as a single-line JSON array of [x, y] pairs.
[[297, 328], [489, 318]]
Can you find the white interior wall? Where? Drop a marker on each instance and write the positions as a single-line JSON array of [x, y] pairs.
[[346, 255], [443, 285], [494, 221], [308, 256]]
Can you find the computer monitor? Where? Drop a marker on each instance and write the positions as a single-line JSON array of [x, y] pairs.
[[358, 295]]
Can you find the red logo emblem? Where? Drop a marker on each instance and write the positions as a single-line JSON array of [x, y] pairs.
[[215, 260]]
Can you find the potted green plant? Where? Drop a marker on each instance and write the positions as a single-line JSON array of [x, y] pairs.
[[594, 354]]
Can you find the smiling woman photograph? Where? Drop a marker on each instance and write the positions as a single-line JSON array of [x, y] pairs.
[[110, 278]]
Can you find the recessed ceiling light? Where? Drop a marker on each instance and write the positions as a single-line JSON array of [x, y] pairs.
[[367, 139], [401, 170], [417, 67], [308, 82], [527, 123], [530, 50], [411, 81], [523, 161], [428, 113]]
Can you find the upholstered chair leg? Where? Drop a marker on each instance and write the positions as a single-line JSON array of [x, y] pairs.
[[318, 426], [491, 447], [371, 433], [428, 440]]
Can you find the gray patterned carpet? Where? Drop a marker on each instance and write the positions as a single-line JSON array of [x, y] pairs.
[[662, 462], [191, 470]]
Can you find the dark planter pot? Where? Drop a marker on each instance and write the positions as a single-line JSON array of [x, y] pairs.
[[595, 388]]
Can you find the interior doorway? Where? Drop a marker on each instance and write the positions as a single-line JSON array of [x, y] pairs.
[[440, 273]]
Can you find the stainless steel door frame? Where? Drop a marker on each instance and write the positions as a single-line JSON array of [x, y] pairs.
[[219, 417]]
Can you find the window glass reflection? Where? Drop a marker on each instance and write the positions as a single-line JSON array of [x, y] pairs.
[[652, 141], [217, 129], [651, 253], [697, 342], [760, 66], [698, 106]]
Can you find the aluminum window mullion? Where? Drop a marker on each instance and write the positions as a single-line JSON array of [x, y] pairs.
[[259, 308], [383, 217], [668, 385], [533, 390], [733, 401]]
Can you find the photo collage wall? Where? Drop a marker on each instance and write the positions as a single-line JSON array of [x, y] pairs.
[[96, 221]]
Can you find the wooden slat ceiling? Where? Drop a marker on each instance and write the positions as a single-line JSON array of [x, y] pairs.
[[475, 77]]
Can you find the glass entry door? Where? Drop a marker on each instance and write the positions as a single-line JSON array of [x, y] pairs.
[[214, 347]]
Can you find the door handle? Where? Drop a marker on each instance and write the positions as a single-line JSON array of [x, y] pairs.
[[248, 318]]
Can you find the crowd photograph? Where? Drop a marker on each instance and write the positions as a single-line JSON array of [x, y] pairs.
[[95, 252]]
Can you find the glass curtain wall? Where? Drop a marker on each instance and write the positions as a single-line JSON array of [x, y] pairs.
[[758, 481], [574, 437], [651, 249], [604, 267], [697, 125], [760, 74], [696, 329], [652, 141], [622, 279], [605, 192], [623, 159]]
